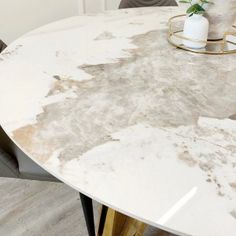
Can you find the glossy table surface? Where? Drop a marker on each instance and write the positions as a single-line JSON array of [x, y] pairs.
[[105, 104]]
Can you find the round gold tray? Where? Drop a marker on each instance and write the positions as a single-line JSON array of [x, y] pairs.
[[175, 37]]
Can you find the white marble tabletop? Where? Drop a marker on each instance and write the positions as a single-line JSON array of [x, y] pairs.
[[105, 104]]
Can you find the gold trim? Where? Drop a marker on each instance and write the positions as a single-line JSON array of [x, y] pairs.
[[221, 43]]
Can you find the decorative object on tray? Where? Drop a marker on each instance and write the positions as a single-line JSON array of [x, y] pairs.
[[204, 29], [196, 26], [225, 46], [221, 15]]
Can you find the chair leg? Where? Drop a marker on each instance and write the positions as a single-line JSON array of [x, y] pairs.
[[87, 205]]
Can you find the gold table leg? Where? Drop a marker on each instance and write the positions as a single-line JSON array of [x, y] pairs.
[[117, 224]]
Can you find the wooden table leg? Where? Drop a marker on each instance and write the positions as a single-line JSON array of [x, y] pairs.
[[117, 224]]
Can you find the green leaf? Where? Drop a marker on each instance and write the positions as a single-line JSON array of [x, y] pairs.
[[195, 9]]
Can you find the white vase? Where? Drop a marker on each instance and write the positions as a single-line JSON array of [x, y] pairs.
[[221, 15], [196, 28]]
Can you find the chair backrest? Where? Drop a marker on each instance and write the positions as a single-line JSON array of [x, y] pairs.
[[8, 165], [146, 3]]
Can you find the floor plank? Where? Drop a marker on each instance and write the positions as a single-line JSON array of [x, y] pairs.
[[33, 208]]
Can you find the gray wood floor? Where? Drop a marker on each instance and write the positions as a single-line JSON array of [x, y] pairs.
[[32, 208]]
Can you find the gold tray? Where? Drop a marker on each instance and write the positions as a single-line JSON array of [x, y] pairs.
[[227, 45]]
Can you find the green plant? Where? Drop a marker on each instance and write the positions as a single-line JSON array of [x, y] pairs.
[[196, 7]]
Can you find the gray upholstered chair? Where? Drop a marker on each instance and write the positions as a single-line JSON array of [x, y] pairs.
[[146, 3], [15, 164]]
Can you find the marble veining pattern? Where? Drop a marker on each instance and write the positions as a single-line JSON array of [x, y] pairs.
[[108, 106]]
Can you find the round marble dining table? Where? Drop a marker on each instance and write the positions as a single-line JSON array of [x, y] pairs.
[[106, 105]]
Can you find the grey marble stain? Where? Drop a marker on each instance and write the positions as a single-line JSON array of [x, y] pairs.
[[57, 77], [233, 213], [137, 89], [233, 185], [186, 157], [105, 36]]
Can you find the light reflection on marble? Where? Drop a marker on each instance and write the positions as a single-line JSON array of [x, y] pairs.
[[104, 103]]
